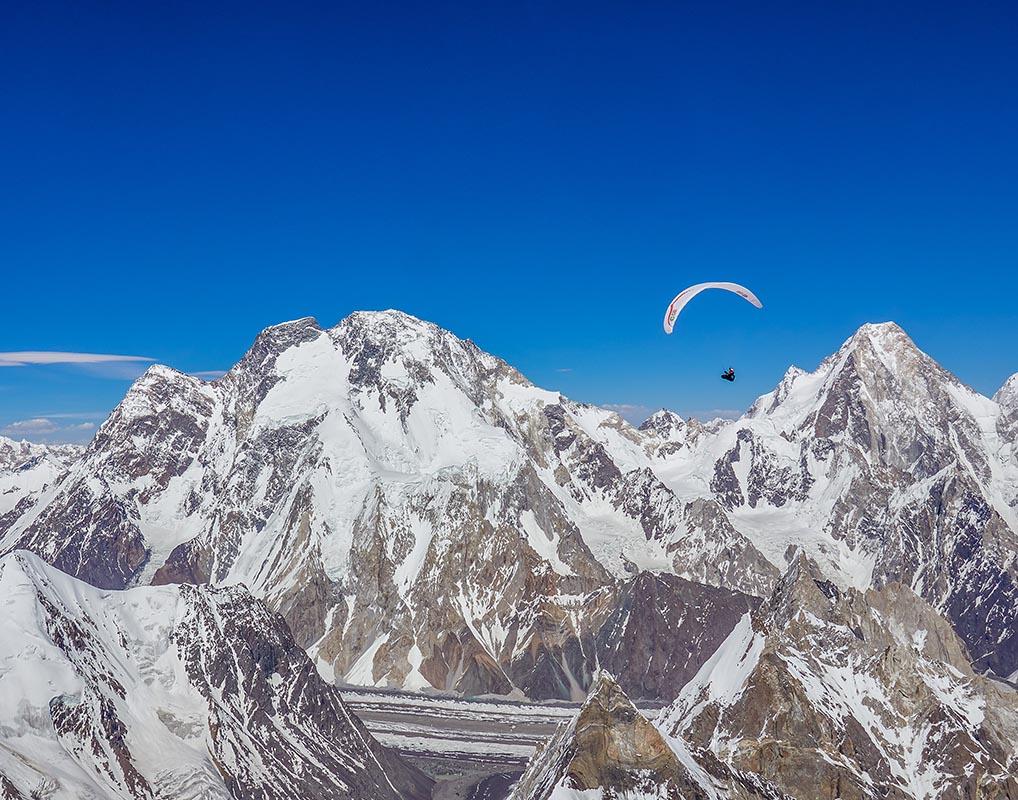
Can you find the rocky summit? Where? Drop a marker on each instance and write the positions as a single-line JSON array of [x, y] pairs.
[[885, 468], [823, 592], [825, 693], [611, 749], [816, 693], [420, 513]]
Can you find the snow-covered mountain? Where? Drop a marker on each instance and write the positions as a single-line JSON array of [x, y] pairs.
[[170, 692], [23, 455], [884, 468], [27, 471], [424, 516], [1007, 398], [830, 693], [419, 512], [816, 693]]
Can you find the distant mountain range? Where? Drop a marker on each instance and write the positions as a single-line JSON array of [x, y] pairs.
[[27, 471], [422, 516]]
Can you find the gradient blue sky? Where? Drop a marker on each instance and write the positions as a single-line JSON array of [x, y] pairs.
[[542, 181]]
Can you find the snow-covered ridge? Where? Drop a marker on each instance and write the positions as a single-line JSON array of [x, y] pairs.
[[423, 515], [872, 694], [882, 466], [16, 455], [168, 691], [363, 461], [28, 471], [1007, 395]]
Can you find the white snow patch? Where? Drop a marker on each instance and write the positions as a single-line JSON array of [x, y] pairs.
[[362, 673], [415, 680], [721, 679], [545, 545]]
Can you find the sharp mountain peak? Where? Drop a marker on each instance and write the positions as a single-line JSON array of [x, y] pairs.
[[1007, 395]]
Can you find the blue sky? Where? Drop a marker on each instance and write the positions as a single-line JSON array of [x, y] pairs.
[[541, 181]]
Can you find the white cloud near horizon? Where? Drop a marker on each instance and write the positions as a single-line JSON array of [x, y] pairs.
[[45, 430], [26, 357], [78, 415], [625, 407], [42, 425], [630, 412], [30, 426]]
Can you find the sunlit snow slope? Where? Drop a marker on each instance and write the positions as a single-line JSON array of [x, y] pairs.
[[422, 515], [171, 692]]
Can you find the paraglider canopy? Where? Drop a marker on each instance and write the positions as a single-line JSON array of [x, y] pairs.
[[686, 295]]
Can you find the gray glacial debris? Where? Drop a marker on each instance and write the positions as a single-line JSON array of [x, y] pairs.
[[422, 517]]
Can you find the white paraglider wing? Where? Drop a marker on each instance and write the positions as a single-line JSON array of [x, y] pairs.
[[686, 295]]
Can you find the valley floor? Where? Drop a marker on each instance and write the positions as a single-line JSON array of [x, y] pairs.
[[475, 748]]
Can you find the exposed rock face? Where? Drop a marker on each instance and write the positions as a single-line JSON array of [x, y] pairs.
[[171, 692], [609, 746], [610, 751], [423, 516], [8, 791], [1007, 398], [885, 468], [419, 513], [663, 629], [838, 694]]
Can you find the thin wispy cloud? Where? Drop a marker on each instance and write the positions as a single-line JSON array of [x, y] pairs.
[[564, 369], [208, 374], [27, 427], [46, 429], [627, 408], [27, 357], [42, 425], [636, 414], [630, 412], [116, 370], [79, 415]]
